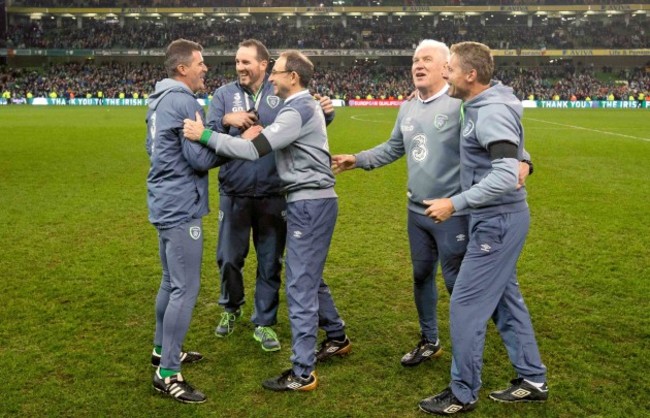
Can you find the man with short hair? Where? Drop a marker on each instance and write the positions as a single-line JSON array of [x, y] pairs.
[[251, 197], [298, 138], [177, 197], [427, 132], [492, 142]]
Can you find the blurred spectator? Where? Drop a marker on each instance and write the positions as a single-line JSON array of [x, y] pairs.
[[358, 81], [500, 32]]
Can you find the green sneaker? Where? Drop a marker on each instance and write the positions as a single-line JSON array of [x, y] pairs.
[[227, 323], [267, 337]]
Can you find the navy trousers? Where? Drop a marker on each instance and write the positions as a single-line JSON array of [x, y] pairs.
[[310, 225], [486, 288], [265, 216]]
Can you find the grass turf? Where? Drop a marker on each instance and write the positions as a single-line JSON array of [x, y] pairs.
[[80, 272]]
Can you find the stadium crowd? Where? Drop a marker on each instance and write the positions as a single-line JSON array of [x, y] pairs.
[[405, 33], [128, 80]]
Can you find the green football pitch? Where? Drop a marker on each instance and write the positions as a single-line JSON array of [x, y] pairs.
[[80, 271]]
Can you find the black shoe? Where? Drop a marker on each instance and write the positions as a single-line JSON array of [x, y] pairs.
[[521, 391], [289, 381], [331, 347], [187, 357], [177, 388], [423, 351], [445, 403]]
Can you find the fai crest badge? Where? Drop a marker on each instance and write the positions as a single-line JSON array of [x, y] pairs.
[[273, 101], [469, 127], [195, 232], [440, 121]]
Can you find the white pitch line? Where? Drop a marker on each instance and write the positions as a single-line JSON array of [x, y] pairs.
[[589, 129], [355, 117]]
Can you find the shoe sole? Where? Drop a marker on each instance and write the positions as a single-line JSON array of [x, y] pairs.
[[434, 355], [162, 392], [518, 400], [444, 413], [312, 386]]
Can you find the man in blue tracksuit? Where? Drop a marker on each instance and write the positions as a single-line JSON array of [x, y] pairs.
[[251, 196], [492, 142], [298, 138], [427, 133], [177, 197]]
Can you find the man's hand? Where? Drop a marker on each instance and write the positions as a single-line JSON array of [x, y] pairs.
[[412, 95], [193, 129], [325, 103], [524, 171], [439, 209], [240, 120], [252, 132], [343, 162]]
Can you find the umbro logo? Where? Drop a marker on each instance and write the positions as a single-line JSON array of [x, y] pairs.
[[294, 385], [427, 353], [485, 248], [452, 409], [521, 393], [460, 237], [297, 234]]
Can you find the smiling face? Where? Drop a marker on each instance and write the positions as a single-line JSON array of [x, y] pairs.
[[281, 78], [427, 68], [250, 70], [457, 79], [194, 73]]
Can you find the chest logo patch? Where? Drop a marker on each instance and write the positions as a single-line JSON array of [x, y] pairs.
[[440, 121], [272, 101], [469, 128]]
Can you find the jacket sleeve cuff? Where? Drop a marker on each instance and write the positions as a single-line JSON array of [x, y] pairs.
[[459, 202]]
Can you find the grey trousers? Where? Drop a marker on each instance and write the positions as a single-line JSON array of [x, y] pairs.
[[181, 254]]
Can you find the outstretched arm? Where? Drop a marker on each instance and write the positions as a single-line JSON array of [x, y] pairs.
[[343, 162]]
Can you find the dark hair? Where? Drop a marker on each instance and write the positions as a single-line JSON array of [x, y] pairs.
[[179, 52], [300, 64], [262, 52], [475, 56]]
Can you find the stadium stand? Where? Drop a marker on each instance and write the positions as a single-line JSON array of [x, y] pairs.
[[367, 55], [501, 32]]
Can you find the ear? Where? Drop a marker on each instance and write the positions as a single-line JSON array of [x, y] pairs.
[[471, 76], [181, 69]]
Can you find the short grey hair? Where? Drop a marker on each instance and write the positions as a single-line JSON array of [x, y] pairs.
[[441, 47]]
